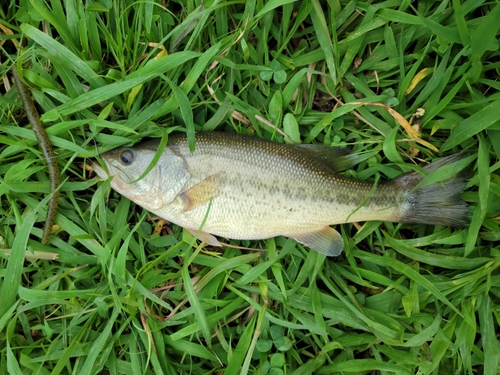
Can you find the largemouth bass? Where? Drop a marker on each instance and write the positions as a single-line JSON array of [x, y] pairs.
[[250, 188]]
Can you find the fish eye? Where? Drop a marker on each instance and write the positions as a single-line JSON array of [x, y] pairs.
[[127, 157]]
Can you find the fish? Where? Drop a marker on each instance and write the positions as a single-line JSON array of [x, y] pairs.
[[247, 188]]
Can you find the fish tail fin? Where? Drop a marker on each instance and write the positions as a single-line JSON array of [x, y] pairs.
[[438, 203]]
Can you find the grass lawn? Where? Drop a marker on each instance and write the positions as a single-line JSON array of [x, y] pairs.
[[116, 291]]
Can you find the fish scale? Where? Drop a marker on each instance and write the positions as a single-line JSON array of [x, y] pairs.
[[312, 182], [250, 188]]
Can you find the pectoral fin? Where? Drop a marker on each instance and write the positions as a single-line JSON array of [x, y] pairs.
[[326, 241], [204, 236], [204, 190]]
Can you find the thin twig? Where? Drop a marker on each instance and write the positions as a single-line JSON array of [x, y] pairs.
[[47, 151]]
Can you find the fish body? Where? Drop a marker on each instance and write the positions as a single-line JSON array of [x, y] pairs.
[[245, 187]]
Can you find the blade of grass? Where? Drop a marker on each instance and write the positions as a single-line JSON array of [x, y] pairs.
[[186, 112], [195, 303], [99, 343], [238, 356], [484, 39], [14, 269], [489, 341], [144, 74], [476, 123], [444, 261], [325, 40], [411, 273], [483, 164]]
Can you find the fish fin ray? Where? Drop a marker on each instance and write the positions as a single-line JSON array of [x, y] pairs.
[[205, 237], [326, 241], [335, 158], [438, 203], [204, 190]]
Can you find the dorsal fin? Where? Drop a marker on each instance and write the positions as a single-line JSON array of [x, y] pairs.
[[336, 158]]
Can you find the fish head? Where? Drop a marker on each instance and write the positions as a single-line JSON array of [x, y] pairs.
[[158, 188]]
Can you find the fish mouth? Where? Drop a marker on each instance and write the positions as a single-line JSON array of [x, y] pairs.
[[96, 167], [117, 181]]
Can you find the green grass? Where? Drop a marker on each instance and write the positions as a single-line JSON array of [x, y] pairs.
[[128, 296]]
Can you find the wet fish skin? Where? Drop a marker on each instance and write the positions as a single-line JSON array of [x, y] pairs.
[[259, 189]]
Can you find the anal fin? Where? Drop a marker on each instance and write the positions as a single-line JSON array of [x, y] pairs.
[[326, 241]]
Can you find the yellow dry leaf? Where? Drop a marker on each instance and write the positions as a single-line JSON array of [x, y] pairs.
[[418, 77], [8, 31], [413, 134]]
